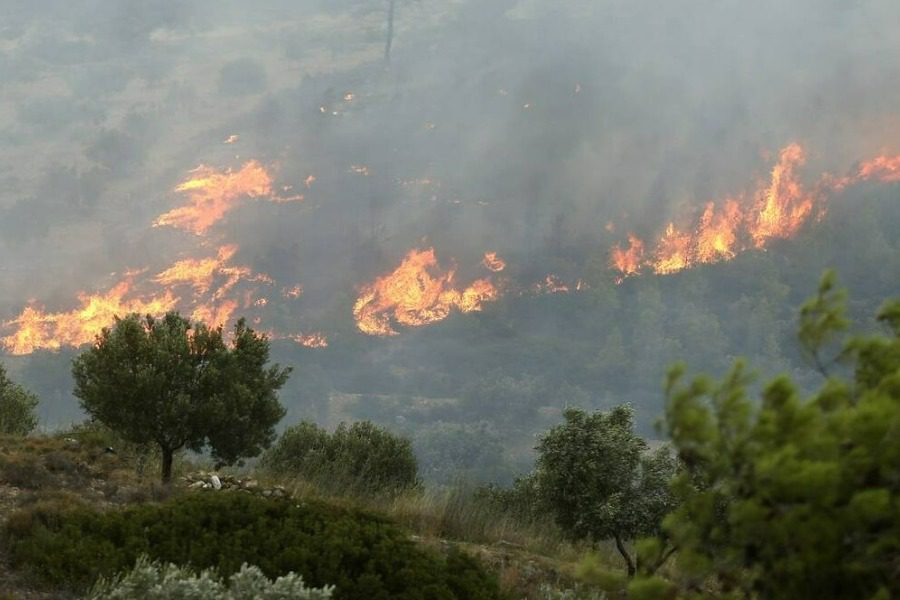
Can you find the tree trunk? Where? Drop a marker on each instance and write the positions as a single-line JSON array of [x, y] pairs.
[[632, 567], [167, 456], [390, 31]]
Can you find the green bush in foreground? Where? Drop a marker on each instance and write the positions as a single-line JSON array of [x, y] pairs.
[[362, 555], [152, 581], [17, 416]]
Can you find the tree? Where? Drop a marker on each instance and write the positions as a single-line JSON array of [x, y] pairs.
[[791, 497], [600, 481], [177, 385], [17, 416]]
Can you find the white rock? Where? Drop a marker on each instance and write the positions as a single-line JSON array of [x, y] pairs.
[[216, 482]]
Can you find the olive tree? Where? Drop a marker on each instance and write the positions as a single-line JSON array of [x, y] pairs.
[[179, 385], [600, 480]]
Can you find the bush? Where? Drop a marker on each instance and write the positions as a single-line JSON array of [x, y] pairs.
[[17, 416], [361, 457], [363, 555], [152, 581]]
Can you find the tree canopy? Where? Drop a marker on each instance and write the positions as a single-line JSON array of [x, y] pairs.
[[177, 385], [600, 481], [788, 497]]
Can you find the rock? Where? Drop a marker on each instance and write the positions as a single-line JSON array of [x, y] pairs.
[[267, 493], [72, 444], [216, 483], [250, 484], [279, 492], [196, 485]]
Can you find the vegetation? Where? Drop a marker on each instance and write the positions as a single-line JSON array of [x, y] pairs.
[[166, 382], [17, 416], [361, 456], [598, 480], [790, 497], [363, 555], [152, 581]]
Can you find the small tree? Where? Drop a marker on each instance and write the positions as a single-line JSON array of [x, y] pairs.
[[600, 481], [790, 497], [17, 416], [166, 382]]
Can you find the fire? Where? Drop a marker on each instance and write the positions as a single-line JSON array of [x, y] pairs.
[[777, 209], [211, 281], [360, 170], [312, 340], [492, 262], [717, 234], [292, 292], [628, 261], [784, 206], [212, 194], [36, 329], [416, 293]]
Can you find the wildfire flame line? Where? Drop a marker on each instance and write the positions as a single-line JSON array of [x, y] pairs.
[[777, 209], [211, 280]]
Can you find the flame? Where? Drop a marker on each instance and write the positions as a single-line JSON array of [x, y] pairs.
[[37, 329], [360, 170], [232, 138], [784, 206], [416, 293], [492, 262], [312, 340], [628, 261], [212, 194], [717, 235], [777, 209], [211, 281]]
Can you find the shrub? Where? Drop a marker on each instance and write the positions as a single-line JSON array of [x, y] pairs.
[[17, 416], [152, 581], [361, 456], [362, 554]]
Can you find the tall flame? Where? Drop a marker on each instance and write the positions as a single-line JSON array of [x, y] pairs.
[[416, 293], [212, 194], [777, 209]]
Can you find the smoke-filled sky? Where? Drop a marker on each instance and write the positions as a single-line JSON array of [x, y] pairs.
[[543, 131]]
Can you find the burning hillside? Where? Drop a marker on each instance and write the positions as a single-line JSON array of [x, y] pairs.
[[775, 209]]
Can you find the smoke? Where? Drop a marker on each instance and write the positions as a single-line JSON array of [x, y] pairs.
[[542, 131]]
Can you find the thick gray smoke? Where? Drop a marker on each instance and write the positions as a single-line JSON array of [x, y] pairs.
[[517, 126]]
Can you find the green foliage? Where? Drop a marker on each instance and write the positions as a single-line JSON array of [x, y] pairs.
[[17, 416], [361, 457], [166, 382], [363, 555], [152, 581], [600, 481], [448, 452], [790, 497]]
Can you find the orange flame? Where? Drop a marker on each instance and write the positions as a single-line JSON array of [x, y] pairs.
[[628, 261], [212, 194], [211, 280], [312, 340], [492, 262], [416, 293], [37, 329], [784, 206]]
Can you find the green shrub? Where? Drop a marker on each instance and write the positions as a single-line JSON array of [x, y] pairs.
[[17, 416], [363, 555], [361, 456], [152, 581]]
